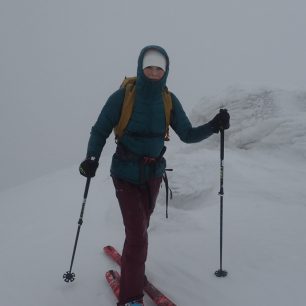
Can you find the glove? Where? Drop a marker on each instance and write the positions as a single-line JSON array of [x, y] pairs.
[[221, 121], [89, 167]]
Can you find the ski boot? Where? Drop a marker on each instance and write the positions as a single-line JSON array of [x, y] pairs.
[[134, 303]]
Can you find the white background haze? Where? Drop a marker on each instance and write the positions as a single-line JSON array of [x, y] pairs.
[[61, 59]]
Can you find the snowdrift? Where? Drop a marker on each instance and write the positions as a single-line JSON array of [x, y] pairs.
[[261, 118]]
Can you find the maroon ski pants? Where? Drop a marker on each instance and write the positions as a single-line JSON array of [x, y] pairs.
[[137, 203]]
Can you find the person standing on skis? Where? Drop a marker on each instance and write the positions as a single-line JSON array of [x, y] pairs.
[[138, 164]]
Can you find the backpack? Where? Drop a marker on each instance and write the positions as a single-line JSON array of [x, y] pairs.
[[128, 103]]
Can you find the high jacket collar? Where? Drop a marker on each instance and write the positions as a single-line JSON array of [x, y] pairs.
[[145, 86]]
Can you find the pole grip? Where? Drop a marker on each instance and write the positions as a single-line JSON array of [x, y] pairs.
[[222, 144], [87, 187]]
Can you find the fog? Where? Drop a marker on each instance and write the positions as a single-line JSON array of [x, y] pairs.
[[61, 59]]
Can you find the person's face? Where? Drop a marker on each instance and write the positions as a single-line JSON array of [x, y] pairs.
[[154, 73]]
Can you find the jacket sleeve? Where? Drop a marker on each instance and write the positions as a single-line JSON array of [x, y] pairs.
[[107, 120], [182, 126]]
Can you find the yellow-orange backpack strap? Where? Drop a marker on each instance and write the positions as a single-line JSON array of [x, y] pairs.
[[127, 105]]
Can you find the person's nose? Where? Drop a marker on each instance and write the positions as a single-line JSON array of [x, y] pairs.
[[155, 71]]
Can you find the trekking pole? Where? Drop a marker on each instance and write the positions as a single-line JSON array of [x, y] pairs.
[[221, 272], [69, 276]]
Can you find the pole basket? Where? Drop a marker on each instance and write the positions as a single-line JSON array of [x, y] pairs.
[[221, 273], [69, 277]]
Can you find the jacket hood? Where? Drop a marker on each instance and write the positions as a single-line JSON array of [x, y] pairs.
[[142, 81]]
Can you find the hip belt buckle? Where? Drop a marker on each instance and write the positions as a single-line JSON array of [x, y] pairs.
[[149, 160]]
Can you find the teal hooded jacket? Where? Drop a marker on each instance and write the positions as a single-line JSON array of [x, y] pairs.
[[144, 134]]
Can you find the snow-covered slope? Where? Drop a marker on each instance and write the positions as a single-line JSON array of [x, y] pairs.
[[264, 217], [262, 118]]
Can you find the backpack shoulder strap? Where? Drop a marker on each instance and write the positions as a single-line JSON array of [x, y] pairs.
[[168, 109], [127, 105], [128, 81]]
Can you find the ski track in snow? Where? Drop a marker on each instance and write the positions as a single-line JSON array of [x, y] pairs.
[[264, 217]]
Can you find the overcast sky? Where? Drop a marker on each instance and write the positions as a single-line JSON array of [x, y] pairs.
[[61, 59]]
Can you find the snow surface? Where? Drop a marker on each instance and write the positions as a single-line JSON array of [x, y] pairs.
[[264, 217]]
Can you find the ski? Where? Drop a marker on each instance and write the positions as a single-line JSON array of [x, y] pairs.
[[113, 278], [156, 295]]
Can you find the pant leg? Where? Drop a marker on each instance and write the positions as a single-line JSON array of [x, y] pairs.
[[137, 203]]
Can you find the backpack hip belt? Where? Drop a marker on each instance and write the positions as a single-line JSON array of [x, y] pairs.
[[125, 154]]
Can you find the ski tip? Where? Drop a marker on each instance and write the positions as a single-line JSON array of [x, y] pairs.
[[113, 279], [108, 248]]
